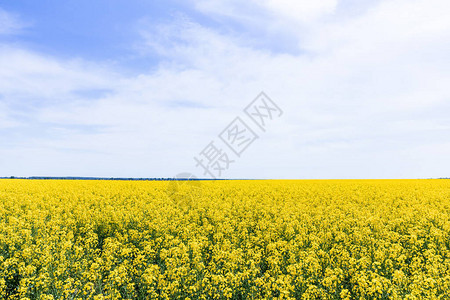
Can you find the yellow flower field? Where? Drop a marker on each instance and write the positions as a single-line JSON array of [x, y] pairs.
[[331, 239]]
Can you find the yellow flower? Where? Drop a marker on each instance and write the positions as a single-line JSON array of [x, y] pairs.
[[274, 239]]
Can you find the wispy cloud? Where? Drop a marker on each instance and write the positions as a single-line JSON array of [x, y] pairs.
[[303, 10], [10, 23], [363, 94]]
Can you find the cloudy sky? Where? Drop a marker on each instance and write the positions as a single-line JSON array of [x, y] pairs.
[[139, 88]]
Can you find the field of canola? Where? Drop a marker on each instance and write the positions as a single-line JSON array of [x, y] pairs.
[[331, 239]]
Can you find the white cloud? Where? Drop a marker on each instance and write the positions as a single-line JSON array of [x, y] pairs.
[[25, 74], [9, 23], [367, 97], [301, 10], [6, 121], [298, 10]]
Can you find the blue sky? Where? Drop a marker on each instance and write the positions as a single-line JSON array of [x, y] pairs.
[[98, 31], [138, 88]]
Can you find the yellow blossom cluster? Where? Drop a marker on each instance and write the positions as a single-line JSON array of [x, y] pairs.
[[274, 239]]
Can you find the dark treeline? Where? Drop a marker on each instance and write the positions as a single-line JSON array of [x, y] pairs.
[[103, 178]]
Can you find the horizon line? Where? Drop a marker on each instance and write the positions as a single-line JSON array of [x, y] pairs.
[[188, 179]]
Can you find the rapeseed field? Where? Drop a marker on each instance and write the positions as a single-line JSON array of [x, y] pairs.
[[330, 239]]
